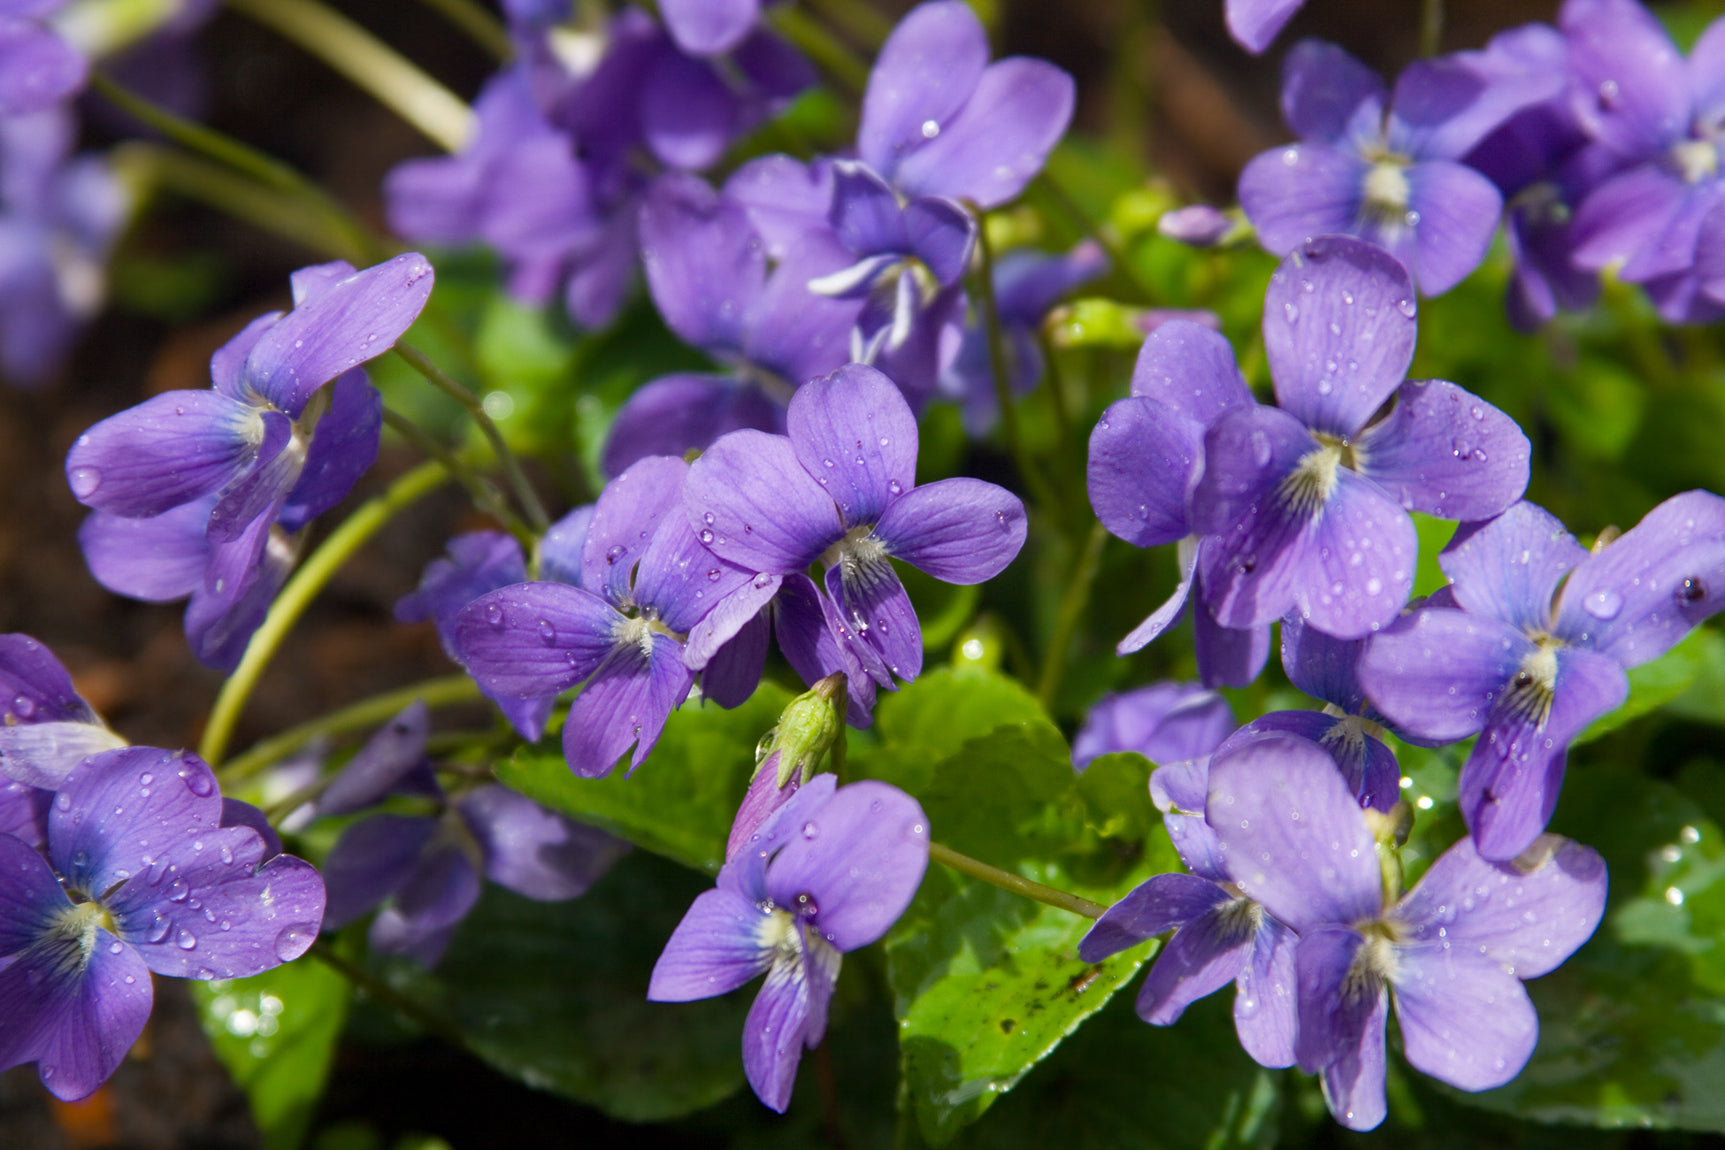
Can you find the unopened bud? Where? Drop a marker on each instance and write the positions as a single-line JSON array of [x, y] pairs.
[[810, 729]]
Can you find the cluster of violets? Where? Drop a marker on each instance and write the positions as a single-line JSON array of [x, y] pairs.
[[764, 503], [1596, 142]]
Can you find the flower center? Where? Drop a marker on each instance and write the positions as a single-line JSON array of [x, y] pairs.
[[1239, 920], [1387, 193], [1696, 160], [1375, 964], [69, 942], [1313, 480], [1530, 692]]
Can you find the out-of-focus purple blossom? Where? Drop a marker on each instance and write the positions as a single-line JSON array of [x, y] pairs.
[[59, 218], [1304, 507], [432, 866], [1196, 225], [142, 875], [1388, 170], [939, 120], [1451, 952], [38, 67], [1662, 117], [1027, 285], [1220, 936], [1536, 646], [829, 872], [201, 491], [1164, 722], [740, 296], [1254, 24], [841, 489], [1146, 455], [646, 582], [46, 729]]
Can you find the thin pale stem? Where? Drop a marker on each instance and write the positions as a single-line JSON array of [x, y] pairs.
[[298, 595], [1431, 27], [863, 23], [446, 691], [1072, 605], [481, 490], [1006, 880], [524, 493], [480, 26], [998, 368], [830, 54], [372, 66]]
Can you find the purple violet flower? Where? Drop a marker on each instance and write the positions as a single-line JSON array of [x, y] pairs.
[[141, 877], [289, 427], [1219, 935], [1387, 170], [1254, 24], [432, 866], [646, 581], [1536, 647], [1452, 952], [841, 488], [46, 729], [830, 871], [939, 120], [1664, 116], [1305, 506], [38, 67], [1164, 722]]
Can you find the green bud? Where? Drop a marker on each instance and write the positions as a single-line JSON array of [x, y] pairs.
[[811, 732]]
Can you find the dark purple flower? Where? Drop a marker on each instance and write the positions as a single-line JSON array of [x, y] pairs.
[[841, 488], [939, 120], [1662, 115], [829, 872], [288, 428], [38, 67], [646, 582], [141, 877], [1452, 951], [1536, 647], [1305, 506], [45, 728], [1388, 170], [1164, 722]]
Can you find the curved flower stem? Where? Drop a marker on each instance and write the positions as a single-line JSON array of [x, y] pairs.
[[348, 237], [833, 55], [1072, 605], [481, 490], [1005, 880], [445, 691], [861, 22], [298, 594], [370, 64], [481, 26], [1431, 27], [524, 493], [1003, 397]]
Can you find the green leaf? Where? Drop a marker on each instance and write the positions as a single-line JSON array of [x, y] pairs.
[[556, 995], [1633, 1027], [1434, 536], [1652, 685], [681, 801], [1116, 793], [276, 1033]]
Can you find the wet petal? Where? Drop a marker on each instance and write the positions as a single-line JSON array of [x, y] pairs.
[[1329, 95], [1464, 1019], [1341, 1031], [1509, 569], [762, 509], [1436, 672], [535, 639], [854, 433], [925, 72], [1446, 452], [168, 450], [1144, 459], [625, 519], [717, 947], [1000, 138], [1166, 902], [625, 704]]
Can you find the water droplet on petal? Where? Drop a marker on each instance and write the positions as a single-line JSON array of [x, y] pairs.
[[707, 536], [295, 940], [810, 830], [494, 614], [1603, 604], [547, 633], [198, 782], [84, 481], [186, 940]]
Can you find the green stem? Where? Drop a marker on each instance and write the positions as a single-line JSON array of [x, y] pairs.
[[1003, 397], [1006, 880], [447, 691], [428, 1020], [481, 26], [482, 491], [298, 594], [832, 55], [1063, 199], [863, 23], [153, 167], [524, 493], [1431, 27], [1072, 605], [370, 64]]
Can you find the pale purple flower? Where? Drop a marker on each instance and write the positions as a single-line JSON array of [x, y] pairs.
[[939, 120], [38, 67], [1164, 722], [1451, 953], [1146, 456], [830, 871], [1254, 24], [1304, 507], [46, 729], [841, 488], [1387, 170], [1536, 646], [141, 877]]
